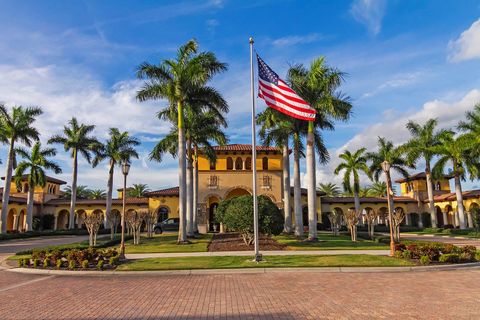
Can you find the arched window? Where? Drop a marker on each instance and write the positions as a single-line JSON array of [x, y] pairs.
[[438, 186], [229, 163], [265, 163], [162, 214], [212, 165], [248, 163], [238, 164]]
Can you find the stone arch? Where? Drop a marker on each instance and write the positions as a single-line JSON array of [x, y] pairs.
[[163, 212], [212, 195], [338, 210], [237, 191], [271, 196], [473, 205], [238, 163], [11, 219], [22, 219], [62, 219], [229, 163], [383, 215], [450, 215]]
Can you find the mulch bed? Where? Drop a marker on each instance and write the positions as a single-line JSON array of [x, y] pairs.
[[234, 242]]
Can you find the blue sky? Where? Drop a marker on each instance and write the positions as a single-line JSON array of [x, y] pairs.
[[404, 60]]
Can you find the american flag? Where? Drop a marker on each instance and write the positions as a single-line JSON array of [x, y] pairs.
[[279, 96]]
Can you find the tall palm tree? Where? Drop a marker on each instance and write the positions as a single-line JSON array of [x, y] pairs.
[[15, 126], [35, 163], [352, 165], [96, 194], [76, 138], [424, 138], [118, 148], [318, 86], [181, 81], [378, 189], [83, 192], [471, 126], [200, 130], [275, 129], [458, 152], [330, 189], [138, 190], [387, 152]]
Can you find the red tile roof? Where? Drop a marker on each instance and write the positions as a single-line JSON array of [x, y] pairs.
[[453, 197], [366, 199], [49, 179], [243, 147], [164, 192]]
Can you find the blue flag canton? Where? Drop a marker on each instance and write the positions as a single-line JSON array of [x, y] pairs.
[[265, 73]]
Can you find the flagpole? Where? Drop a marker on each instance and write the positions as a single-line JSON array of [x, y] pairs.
[[258, 256]]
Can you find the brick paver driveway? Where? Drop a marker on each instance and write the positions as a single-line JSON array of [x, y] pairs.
[[411, 295]]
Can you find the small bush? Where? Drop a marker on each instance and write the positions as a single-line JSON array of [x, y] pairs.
[[71, 264], [399, 254], [407, 254], [21, 263], [59, 263], [46, 262], [424, 260], [449, 258], [36, 263], [100, 264], [85, 264], [113, 261], [433, 230], [447, 226]]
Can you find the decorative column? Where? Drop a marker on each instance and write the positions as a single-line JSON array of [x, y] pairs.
[[445, 217], [15, 222], [55, 221], [420, 220], [408, 219], [244, 164]]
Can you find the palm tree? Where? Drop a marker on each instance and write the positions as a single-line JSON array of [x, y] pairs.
[[318, 86], [378, 189], [138, 190], [83, 192], [182, 81], [472, 126], [388, 158], [35, 163], [330, 189], [120, 147], [424, 138], [96, 194], [352, 165], [15, 126], [275, 129], [200, 130], [76, 139], [458, 152]]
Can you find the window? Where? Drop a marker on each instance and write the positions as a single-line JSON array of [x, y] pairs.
[[238, 164], [248, 163], [266, 182], [265, 163], [213, 182], [162, 214], [212, 165], [229, 163]]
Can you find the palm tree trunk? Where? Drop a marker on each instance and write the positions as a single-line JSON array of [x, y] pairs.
[[195, 191], [31, 191], [297, 192], [189, 189], [311, 191], [108, 206], [6, 188], [286, 189], [356, 199], [73, 200], [431, 202], [182, 231], [460, 208]]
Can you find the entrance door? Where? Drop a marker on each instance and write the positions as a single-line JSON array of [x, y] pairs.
[[213, 226]]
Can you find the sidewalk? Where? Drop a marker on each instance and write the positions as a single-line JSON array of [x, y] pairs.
[[250, 253]]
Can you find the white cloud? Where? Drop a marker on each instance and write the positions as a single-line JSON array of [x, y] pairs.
[[296, 39], [467, 46], [369, 13], [393, 128], [398, 81]]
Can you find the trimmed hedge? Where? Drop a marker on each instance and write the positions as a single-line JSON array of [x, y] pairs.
[[436, 252]]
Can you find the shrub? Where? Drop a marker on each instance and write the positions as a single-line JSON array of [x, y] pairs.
[[407, 254], [238, 216], [433, 230], [85, 264], [114, 261], [448, 248], [59, 263], [46, 262], [398, 254], [424, 260], [449, 258], [21, 263], [100, 264], [467, 253], [71, 264], [400, 247], [36, 263]]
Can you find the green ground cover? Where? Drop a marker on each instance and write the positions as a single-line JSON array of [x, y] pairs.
[[329, 242], [270, 262], [167, 242]]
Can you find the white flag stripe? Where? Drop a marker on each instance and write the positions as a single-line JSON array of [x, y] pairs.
[[276, 95], [284, 92], [288, 108]]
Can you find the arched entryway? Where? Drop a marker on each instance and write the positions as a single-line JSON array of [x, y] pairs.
[[439, 215], [163, 212], [212, 204], [383, 215], [62, 219], [237, 192], [11, 219], [450, 215], [21, 221]]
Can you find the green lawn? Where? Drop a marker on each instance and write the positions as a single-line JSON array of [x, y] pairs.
[[329, 242], [270, 262], [168, 243]]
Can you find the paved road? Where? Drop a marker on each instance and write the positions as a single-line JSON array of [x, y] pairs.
[[444, 239], [296, 295]]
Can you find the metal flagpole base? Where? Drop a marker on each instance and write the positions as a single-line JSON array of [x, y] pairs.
[[258, 257]]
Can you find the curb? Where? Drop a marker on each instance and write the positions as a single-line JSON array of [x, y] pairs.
[[472, 265]]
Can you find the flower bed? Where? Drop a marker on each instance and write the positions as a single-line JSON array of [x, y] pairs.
[[436, 253], [72, 259]]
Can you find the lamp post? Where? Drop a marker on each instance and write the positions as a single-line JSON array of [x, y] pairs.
[[386, 169], [125, 170]]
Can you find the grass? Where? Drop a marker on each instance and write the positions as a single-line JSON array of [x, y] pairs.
[[229, 262], [168, 243], [329, 242]]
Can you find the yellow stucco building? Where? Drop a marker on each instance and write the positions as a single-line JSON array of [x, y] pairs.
[[230, 176]]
